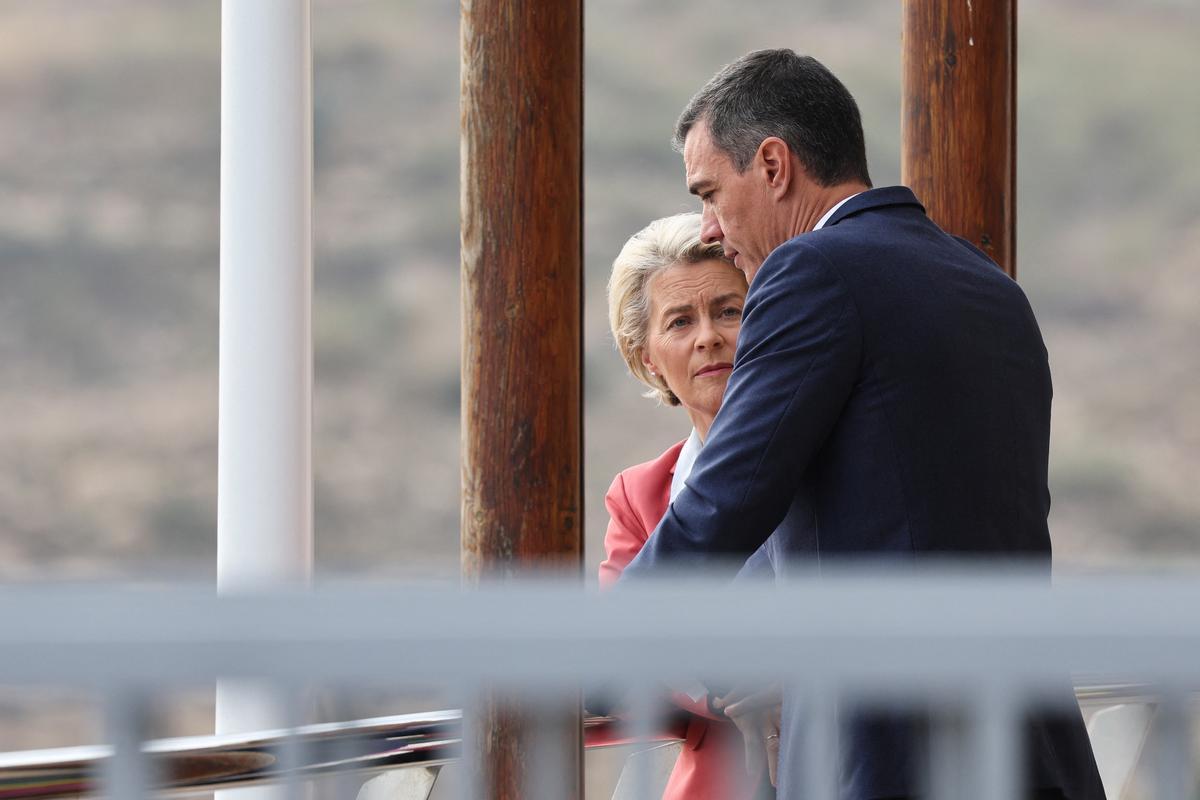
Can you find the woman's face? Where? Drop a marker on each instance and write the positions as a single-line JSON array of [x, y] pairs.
[[695, 315]]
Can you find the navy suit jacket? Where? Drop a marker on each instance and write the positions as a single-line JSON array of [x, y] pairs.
[[890, 398]]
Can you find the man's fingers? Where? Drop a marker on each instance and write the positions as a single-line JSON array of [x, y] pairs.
[[731, 697], [754, 704], [735, 710], [759, 727], [771, 745], [755, 696], [751, 730], [739, 703], [755, 753], [772, 723]]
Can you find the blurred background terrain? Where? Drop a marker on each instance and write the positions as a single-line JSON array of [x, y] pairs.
[[109, 148]]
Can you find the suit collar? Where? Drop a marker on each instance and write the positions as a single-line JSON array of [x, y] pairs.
[[875, 198]]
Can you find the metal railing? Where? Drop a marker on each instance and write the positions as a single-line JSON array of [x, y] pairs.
[[185, 765], [988, 645]]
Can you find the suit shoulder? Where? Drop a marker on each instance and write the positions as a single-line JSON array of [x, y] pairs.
[[637, 498], [799, 259], [804, 246], [848, 238]]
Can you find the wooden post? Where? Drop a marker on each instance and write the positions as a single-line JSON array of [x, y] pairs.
[[959, 118], [522, 293]]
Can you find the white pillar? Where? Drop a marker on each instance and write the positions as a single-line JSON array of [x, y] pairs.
[[264, 502]]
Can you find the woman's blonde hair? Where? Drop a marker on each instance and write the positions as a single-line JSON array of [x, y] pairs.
[[666, 241]]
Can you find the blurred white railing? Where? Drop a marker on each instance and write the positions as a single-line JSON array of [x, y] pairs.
[[987, 645]]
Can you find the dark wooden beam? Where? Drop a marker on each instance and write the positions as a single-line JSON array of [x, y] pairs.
[[959, 118], [522, 300]]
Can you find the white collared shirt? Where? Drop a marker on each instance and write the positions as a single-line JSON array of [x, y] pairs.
[[685, 462], [830, 212]]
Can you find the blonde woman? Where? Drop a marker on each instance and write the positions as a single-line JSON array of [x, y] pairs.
[[675, 307]]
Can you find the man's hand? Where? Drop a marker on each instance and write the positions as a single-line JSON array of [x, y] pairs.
[[757, 714]]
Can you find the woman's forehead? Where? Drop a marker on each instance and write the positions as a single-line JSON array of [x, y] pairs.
[[702, 282]]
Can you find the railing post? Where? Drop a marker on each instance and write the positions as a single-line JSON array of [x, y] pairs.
[[264, 501], [522, 134], [127, 773], [959, 118]]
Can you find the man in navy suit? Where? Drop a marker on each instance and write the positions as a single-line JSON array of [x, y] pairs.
[[890, 395]]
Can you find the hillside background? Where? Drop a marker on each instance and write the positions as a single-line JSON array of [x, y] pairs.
[[109, 266]]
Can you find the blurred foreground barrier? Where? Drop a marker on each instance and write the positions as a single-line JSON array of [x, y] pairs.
[[982, 647], [417, 744]]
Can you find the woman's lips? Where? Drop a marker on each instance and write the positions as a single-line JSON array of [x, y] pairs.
[[714, 369]]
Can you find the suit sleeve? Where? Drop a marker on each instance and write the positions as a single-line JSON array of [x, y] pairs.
[[758, 566], [798, 357]]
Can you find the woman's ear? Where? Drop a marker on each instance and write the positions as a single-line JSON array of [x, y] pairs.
[[648, 364]]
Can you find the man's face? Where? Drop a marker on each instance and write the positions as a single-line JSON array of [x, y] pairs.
[[735, 208]]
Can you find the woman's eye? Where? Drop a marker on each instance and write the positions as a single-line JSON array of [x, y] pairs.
[[733, 312], [678, 322]]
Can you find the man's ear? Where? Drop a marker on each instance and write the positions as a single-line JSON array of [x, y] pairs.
[[774, 159]]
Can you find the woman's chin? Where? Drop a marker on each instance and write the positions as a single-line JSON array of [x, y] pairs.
[[706, 407]]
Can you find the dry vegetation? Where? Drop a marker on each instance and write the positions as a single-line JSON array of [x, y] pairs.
[[109, 269]]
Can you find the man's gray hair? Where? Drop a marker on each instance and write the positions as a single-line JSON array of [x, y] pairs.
[[795, 98]]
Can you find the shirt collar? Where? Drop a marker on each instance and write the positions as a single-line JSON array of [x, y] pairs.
[[683, 464], [830, 212]]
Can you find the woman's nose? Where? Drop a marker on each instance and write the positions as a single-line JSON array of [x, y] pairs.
[[709, 336]]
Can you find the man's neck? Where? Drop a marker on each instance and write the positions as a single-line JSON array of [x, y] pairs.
[[815, 202]]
